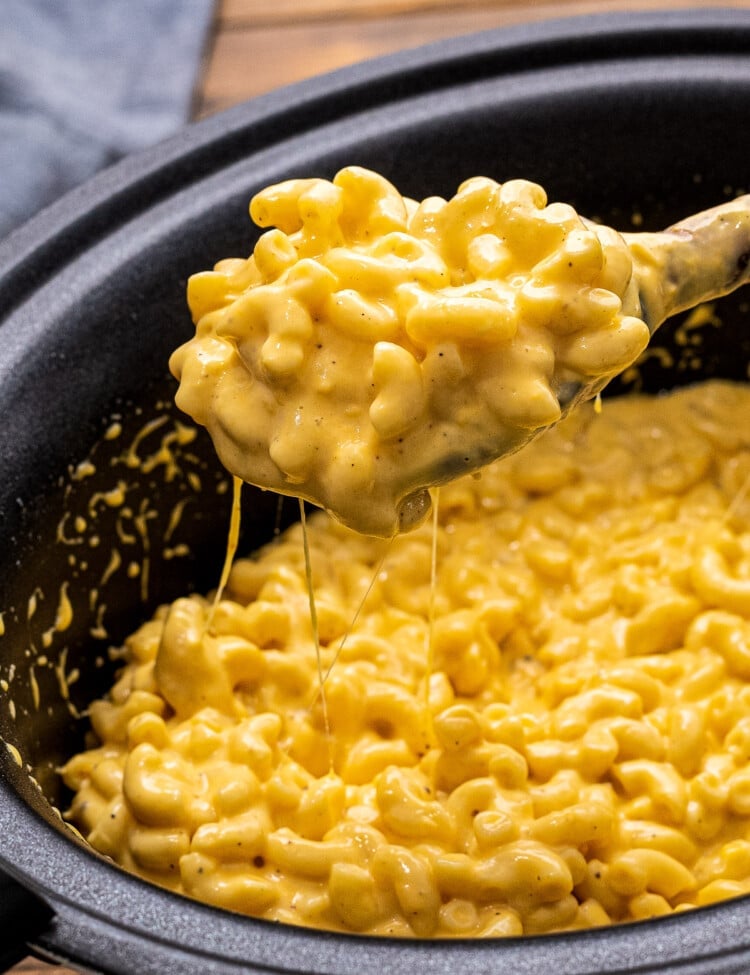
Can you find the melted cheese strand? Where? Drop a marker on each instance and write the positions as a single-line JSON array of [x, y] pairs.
[[233, 538], [430, 636], [737, 500], [357, 613], [315, 631]]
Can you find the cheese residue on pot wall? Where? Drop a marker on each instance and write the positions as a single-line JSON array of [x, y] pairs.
[[576, 755], [114, 524]]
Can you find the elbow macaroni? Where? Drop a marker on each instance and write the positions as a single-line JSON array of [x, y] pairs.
[[371, 346], [577, 755]]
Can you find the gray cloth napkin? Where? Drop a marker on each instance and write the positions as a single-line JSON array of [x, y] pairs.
[[84, 82]]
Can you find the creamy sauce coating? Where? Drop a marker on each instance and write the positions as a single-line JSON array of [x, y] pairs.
[[573, 753], [373, 346]]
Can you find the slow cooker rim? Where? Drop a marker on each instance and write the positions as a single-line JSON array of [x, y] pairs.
[[366, 955]]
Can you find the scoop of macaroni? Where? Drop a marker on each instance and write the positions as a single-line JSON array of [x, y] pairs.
[[553, 736], [373, 346]]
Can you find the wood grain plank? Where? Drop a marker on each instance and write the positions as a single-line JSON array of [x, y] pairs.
[[259, 13], [31, 966], [239, 13], [247, 61]]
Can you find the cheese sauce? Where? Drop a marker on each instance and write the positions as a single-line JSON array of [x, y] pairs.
[[574, 752], [372, 347]]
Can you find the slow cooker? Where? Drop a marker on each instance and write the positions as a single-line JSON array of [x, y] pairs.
[[636, 119]]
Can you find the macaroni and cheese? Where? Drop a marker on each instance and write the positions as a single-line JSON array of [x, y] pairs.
[[547, 729], [372, 347]]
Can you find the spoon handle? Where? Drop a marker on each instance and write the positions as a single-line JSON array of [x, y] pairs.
[[698, 259]]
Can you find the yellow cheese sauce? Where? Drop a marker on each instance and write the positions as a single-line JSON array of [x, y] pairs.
[[373, 346], [539, 719]]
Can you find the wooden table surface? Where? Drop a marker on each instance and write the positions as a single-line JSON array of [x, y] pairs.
[[259, 45]]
